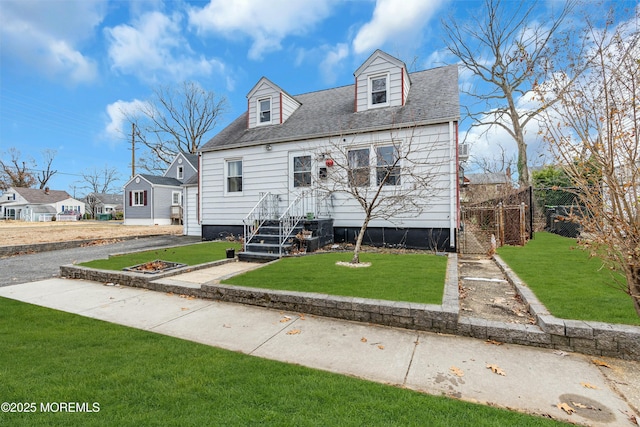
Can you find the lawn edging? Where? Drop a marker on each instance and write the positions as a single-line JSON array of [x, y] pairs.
[[594, 338], [588, 337], [71, 244], [138, 280]]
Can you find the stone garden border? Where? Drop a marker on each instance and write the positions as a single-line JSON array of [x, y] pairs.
[[594, 338]]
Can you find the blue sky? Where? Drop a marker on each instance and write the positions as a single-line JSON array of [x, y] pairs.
[[68, 68]]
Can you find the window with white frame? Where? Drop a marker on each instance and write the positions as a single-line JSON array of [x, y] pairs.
[[234, 176], [138, 198], [302, 171], [388, 165], [359, 167], [180, 173], [264, 111], [379, 90], [176, 198]]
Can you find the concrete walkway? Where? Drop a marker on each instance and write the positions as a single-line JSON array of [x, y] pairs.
[[521, 378]]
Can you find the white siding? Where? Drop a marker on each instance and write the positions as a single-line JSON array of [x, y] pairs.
[[191, 227], [268, 171], [289, 105], [407, 84], [264, 90], [380, 66]]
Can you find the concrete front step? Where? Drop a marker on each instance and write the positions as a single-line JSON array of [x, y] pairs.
[[263, 257]]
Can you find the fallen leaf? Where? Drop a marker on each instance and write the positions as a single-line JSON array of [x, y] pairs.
[[294, 332], [494, 342], [381, 347], [496, 370], [170, 294], [190, 297], [363, 339], [184, 308], [587, 385], [457, 371], [302, 316], [566, 408], [285, 319], [226, 326], [560, 353], [600, 363]]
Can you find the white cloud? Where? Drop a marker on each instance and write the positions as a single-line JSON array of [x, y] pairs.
[[331, 64], [118, 113], [153, 46], [266, 23], [397, 21], [46, 35]]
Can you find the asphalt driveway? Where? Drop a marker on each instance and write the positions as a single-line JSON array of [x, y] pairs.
[[45, 265]]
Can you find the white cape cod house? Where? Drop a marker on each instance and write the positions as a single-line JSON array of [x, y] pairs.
[[34, 205], [258, 170]]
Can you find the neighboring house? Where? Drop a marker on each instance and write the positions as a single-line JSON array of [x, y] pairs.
[[158, 200], [191, 221], [480, 187], [281, 146], [32, 204], [102, 203]]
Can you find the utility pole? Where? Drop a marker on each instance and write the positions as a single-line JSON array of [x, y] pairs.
[[133, 150]]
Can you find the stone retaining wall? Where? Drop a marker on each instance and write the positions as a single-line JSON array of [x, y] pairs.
[[54, 246], [585, 337]]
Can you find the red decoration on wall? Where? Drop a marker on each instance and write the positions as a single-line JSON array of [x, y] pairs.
[[328, 162]]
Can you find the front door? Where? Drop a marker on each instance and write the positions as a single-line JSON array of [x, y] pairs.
[[302, 174]]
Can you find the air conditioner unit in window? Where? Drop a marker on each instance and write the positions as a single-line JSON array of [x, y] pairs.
[[463, 151]]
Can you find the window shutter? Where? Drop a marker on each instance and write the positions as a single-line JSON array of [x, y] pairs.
[[130, 198], [145, 197]]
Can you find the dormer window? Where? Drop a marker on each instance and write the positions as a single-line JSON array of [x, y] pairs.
[[180, 173], [379, 91], [264, 111]]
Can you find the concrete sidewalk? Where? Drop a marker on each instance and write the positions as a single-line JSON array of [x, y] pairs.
[[522, 378]]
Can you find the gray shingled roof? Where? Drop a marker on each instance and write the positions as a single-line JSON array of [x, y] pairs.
[[35, 195], [193, 180], [108, 199], [192, 158], [487, 178], [161, 180], [433, 98]]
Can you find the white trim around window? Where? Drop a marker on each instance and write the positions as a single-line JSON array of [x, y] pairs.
[[378, 91], [233, 176], [176, 198], [264, 111]]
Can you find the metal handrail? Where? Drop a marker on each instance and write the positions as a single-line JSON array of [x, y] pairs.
[[290, 219], [266, 208]]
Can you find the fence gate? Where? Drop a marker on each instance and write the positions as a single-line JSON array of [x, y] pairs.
[[487, 227], [479, 224]]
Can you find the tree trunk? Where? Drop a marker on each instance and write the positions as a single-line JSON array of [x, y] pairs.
[[633, 284], [356, 251]]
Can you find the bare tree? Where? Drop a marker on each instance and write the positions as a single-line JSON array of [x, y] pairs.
[[45, 175], [16, 172], [176, 120], [389, 181], [594, 131], [101, 181], [507, 51]]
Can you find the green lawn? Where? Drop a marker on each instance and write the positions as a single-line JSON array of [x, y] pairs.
[[140, 378], [199, 253], [570, 283], [405, 277]]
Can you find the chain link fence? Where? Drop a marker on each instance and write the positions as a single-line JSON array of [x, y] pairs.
[[558, 210]]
